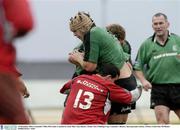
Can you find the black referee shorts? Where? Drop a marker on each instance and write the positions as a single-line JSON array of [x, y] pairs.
[[165, 94]]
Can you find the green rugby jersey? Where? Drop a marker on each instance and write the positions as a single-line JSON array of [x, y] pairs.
[[162, 62], [126, 47], [102, 47]]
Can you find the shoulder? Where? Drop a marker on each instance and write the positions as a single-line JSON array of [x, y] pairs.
[[109, 84], [147, 43], [83, 76], [94, 32], [127, 43], [174, 35], [97, 30], [175, 38], [148, 40]]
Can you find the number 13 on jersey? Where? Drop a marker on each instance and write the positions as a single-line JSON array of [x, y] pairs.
[[87, 101]]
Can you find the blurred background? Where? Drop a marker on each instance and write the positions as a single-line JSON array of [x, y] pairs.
[[42, 55]]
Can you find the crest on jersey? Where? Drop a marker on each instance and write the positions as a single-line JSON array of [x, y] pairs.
[[174, 48]]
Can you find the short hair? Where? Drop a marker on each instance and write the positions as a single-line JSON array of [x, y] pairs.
[[109, 69], [160, 14], [117, 30]]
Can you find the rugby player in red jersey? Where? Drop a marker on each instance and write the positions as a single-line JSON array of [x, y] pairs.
[[89, 100], [15, 21]]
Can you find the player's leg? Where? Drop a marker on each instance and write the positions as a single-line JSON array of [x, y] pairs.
[[160, 102], [162, 114], [175, 96], [122, 118], [118, 119], [119, 113], [177, 112]]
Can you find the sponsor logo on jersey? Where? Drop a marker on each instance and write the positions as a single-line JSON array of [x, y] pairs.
[[90, 85], [165, 55], [174, 48]]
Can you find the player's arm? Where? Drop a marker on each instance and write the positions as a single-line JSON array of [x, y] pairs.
[[136, 93], [22, 17], [119, 94], [78, 48], [145, 83], [86, 65], [74, 57], [66, 87], [138, 67], [17, 19]]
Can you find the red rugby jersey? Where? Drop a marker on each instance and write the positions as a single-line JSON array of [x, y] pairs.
[[18, 14], [89, 100]]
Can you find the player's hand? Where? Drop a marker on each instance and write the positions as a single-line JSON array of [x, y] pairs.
[[26, 93], [75, 57], [146, 85], [22, 88]]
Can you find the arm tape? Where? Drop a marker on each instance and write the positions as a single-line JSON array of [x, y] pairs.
[[136, 93]]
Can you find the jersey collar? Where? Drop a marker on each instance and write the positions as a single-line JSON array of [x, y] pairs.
[[155, 40]]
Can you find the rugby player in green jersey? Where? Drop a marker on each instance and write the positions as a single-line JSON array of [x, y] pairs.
[[157, 66], [120, 34], [101, 47]]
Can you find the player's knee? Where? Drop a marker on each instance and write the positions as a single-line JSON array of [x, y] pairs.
[[162, 118], [118, 119]]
